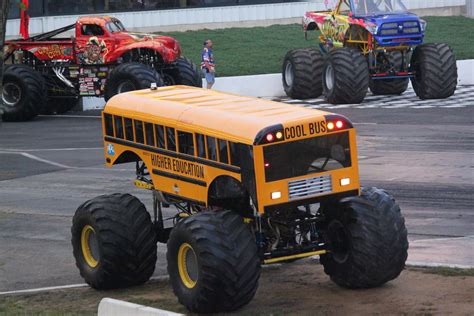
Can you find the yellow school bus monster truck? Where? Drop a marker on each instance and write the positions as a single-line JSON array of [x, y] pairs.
[[249, 182], [374, 44]]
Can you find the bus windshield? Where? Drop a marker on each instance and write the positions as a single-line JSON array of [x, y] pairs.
[[307, 156], [379, 7]]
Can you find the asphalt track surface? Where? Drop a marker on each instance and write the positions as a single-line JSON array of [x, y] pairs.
[[49, 166]]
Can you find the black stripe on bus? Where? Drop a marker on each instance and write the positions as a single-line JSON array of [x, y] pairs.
[[185, 199], [214, 164], [178, 177]]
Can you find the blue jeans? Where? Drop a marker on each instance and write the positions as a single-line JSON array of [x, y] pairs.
[[210, 76]]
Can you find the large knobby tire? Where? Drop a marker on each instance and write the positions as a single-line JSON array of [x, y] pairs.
[[367, 239], [302, 73], [345, 76], [24, 93], [129, 77], [213, 262], [188, 73], [391, 86], [60, 105], [114, 242], [436, 74]]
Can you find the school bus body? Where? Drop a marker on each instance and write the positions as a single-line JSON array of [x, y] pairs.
[[141, 125]]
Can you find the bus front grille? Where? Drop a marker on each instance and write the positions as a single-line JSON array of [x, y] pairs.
[[298, 189]]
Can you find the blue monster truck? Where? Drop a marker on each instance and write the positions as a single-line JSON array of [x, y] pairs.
[[374, 44]]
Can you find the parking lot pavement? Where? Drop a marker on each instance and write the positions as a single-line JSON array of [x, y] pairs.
[[53, 164]]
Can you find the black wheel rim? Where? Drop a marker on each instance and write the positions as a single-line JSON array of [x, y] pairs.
[[11, 95], [339, 241]]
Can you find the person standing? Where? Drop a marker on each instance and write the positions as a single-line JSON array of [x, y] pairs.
[[207, 64]]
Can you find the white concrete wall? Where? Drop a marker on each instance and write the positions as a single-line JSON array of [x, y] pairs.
[[219, 15], [112, 307], [271, 85]]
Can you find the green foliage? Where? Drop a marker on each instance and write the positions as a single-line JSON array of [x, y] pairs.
[[260, 50]]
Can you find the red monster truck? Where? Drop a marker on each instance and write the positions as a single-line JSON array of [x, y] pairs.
[[49, 74]]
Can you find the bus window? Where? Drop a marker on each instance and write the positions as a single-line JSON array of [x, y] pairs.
[[150, 138], [139, 132], [186, 143], [201, 146], [118, 127], [234, 155], [128, 129], [211, 148], [109, 126], [170, 139], [160, 136], [223, 154]]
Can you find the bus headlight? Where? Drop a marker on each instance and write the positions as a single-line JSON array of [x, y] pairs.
[[276, 195], [345, 181]]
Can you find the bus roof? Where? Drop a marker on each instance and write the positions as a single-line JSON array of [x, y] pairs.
[[219, 114]]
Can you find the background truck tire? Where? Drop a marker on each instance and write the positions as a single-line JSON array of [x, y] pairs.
[[345, 76], [129, 77], [388, 86], [436, 74], [60, 105], [368, 240], [24, 93], [302, 73], [114, 241], [224, 267], [188, 73]]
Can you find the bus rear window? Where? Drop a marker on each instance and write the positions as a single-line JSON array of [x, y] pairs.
[[109, 126]]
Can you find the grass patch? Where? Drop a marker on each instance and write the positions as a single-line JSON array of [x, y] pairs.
[[260, 50], [448, 272]]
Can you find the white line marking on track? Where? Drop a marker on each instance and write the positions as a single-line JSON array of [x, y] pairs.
[[49, 162], [70, 286], [48, 149], [71, 116]]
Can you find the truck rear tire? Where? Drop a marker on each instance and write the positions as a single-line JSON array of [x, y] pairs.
[[114, 242], [345, 76], [188, 73], [213, 262], [129, 77], [302, 73], [388, 86], [436, 74], [367, 239], [24, 93]]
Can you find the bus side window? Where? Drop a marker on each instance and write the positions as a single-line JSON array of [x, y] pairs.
[[139, 132], [150, 138], [201, 146], [118, 126], [160, 136], [223, 153], [211, 148], [234, 155], [109, 126], [186, 143], [170, 139], [128, 129]]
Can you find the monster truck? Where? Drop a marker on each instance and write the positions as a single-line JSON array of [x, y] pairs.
[[374, 44], [283, 186], [46, 73]]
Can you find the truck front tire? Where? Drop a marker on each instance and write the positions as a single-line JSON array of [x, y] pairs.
[[213, 262], [129, 77], [367, 239], [302, 73], [436, 74], [24, 93], [345, 76], [114, 242]]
